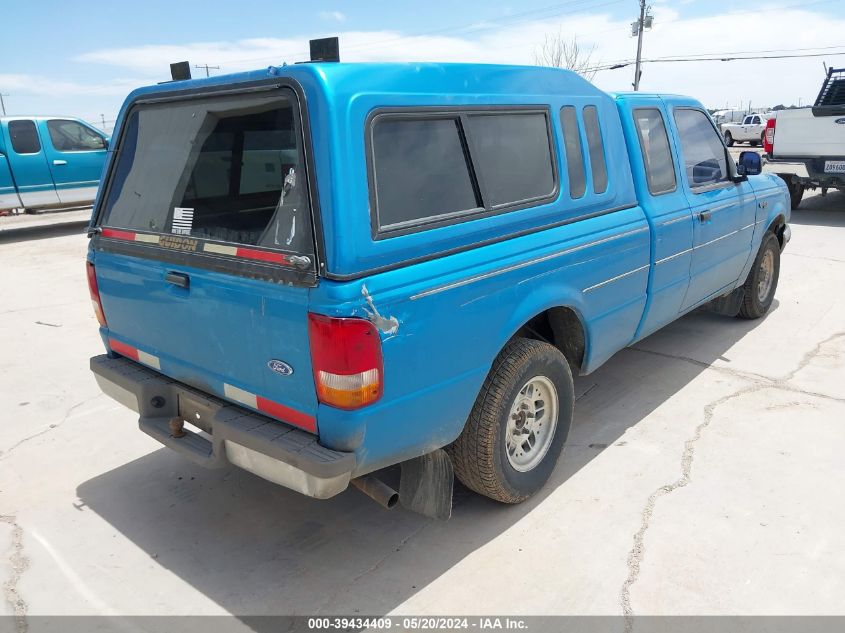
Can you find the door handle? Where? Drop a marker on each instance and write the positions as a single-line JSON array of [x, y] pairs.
[[178, 279], [705, 216], [60, 162]]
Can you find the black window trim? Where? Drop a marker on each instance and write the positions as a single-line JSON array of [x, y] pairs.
[[222, 263], [721, 184], [37, 137], [461, 114], [102, 135], [642, 149]]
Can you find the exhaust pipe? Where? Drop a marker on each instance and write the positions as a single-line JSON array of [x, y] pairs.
[[376, 490]]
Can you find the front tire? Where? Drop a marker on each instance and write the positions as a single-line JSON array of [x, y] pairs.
[[729, 139], [519, 423], [762, 281]]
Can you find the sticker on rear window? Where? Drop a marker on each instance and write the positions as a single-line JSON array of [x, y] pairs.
[[183, 220]]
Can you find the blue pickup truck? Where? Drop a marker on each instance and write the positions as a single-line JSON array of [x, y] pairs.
[[49, 162], [317, 271]]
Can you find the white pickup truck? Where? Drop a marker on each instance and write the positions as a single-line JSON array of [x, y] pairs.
[[806, 146], [751, 130]]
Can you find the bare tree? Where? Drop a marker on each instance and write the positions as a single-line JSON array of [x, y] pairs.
[[557, 52]]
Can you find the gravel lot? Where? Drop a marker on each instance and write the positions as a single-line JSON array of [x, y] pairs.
[[703, 475]]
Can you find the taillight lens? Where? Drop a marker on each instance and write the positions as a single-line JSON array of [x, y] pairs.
[[769, 139], [347, 362], [95, 293]]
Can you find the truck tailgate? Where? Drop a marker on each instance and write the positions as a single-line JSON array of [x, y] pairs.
[[810, 133]]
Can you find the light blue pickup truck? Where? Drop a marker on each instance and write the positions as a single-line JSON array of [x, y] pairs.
[[49, 162], [317, 271]]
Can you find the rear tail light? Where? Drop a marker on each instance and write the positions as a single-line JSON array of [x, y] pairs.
[[769, 139], [347, 362], [95, 293]]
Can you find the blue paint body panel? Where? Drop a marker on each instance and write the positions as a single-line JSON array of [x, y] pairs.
[[626, 262]]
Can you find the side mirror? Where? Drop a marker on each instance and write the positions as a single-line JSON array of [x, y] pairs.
[[105, 143], [749, 164]]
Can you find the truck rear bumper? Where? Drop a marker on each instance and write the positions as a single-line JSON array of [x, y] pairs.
[[231, 435], [807, 171], [785, 167]]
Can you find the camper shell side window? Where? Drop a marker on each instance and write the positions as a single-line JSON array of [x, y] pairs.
[[431, 167]]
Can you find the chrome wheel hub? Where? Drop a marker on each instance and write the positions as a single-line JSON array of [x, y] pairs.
[[531, 423], [767, 275]]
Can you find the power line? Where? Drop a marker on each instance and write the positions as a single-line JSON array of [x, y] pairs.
[[206, 66], [667, 60]]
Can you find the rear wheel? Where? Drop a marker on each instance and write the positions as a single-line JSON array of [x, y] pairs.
[[796, 192], [729, 139], [762, 281], [519, 423]]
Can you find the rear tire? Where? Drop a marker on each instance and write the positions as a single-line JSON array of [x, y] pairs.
[[729, 139], [762, 281], [796, 192], [527, 394]]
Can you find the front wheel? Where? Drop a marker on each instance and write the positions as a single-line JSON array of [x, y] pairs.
[[729, 139], [762, 281], [519, 423]]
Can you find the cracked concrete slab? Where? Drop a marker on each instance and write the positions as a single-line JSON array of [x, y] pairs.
[[756, 536], [111, 523]]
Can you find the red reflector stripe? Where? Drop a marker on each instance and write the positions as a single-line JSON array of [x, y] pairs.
[[264, 256], [119, 235], [286, 414], [123, 349]]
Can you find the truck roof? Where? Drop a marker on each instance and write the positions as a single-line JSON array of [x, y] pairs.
[[38, 117], [345, 80]]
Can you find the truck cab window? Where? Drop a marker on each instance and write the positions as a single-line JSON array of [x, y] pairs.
[[659, 169], [705, 160], [71, 136], [24, 137]]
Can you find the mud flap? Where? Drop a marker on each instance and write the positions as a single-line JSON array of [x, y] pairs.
[[426, 485], [728, 304]]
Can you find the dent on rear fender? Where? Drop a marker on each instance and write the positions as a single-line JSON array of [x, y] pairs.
[[386, 325]]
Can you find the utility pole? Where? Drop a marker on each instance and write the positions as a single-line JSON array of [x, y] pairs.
[[644, 22], [103, 120], [2, 104], [206, 66]]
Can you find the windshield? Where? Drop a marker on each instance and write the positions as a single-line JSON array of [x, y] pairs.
[[227, 169]]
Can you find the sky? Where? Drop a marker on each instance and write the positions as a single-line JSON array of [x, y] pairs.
[[83, 58]]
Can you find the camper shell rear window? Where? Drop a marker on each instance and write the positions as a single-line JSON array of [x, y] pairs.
[[216, 170]]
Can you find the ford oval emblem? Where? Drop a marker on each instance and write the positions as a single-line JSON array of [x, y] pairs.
[[840, 121], [280, 367]]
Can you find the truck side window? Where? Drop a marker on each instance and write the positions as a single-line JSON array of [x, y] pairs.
[[420, 171], [70, 136], [598, 166], [704, 155], [574, 155], [512, 156], [24, 137], [659, 169]]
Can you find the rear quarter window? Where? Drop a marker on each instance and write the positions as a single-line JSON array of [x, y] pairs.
[[24, 137]]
